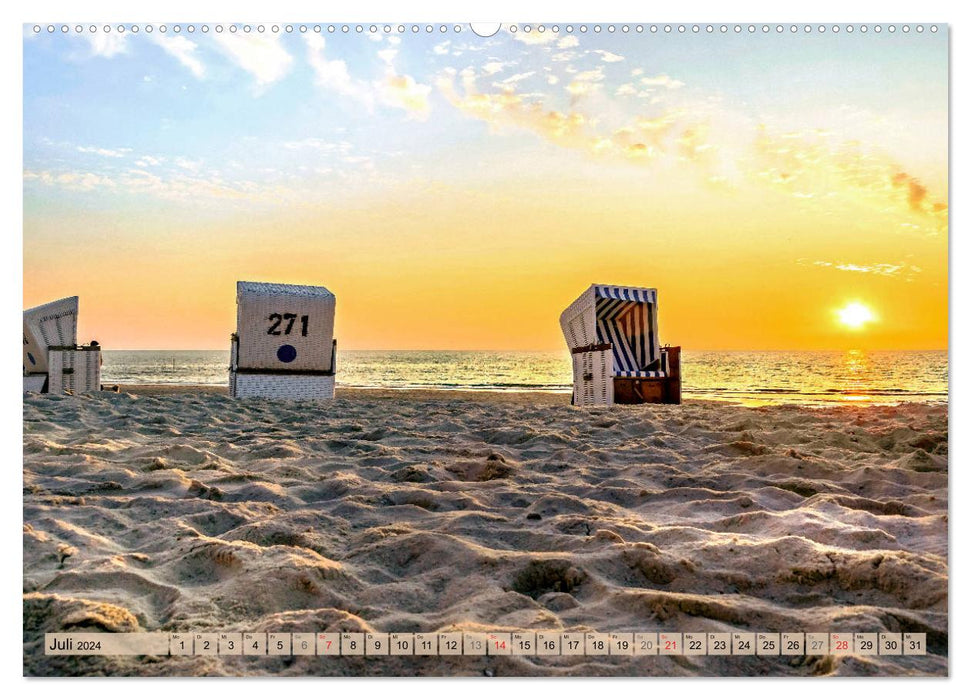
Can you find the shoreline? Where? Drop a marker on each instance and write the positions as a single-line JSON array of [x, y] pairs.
[[546, 397], [521, 395]]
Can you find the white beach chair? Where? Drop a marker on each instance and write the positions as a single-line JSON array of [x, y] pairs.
[[612, 334], [53, 362], [284, 346]]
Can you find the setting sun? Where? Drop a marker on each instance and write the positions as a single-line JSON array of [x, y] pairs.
[[855, 315]]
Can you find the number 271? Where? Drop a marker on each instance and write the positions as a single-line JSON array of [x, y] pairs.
[[278, 320]]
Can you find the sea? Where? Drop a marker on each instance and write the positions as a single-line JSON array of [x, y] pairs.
[[752, 378]]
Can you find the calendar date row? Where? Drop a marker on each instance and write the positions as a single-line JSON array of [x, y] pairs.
[[543, 643]]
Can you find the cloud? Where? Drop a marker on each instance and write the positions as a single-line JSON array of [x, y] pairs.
[[815, 164], [512, 79], [662, 81], [106, 152], [318, 144], [644, 139], [78, 181], [404, 92], [186, 164], [585, 82], [568, 42], [179, 186], [392, 89], [149, 161], [333, 74], [507, 108], [493, 67], [916, 192], [107, 44], [535, 38], [183, 50], [724, 149], [261, 56], [608, 57], [880, 269], [694, 146]]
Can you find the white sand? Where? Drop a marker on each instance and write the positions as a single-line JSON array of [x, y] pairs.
[[425, 511]]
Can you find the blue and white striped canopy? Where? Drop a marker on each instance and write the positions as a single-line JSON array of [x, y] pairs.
[[627, 319], [626, 293]]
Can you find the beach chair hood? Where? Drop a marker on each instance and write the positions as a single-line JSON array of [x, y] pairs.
[[284, 327], [624, 317], [49, 325]]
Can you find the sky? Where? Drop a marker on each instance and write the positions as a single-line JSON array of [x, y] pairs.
[[458, 192]]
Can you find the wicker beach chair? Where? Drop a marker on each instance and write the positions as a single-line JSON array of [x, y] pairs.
[[612, 334], [284, 346], [53, 361]]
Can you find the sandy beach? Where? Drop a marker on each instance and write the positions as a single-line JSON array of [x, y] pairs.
[[179, 509]]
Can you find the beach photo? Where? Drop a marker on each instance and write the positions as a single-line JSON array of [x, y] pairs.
[[485, 350]]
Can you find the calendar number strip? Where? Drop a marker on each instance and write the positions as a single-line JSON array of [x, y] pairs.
[[526, 643]]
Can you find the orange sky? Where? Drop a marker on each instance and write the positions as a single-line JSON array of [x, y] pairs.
[[422, 275]]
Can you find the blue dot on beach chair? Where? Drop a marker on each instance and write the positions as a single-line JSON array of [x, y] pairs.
[[31, 358], [286, 353]]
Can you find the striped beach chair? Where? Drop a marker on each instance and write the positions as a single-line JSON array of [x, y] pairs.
[[53, 361], [617, 358], [284, 346]]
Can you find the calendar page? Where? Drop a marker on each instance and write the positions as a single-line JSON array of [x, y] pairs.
[[547, 349]]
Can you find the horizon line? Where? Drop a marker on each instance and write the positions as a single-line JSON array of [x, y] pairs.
[[564, 350]]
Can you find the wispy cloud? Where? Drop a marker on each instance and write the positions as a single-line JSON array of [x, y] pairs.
[[149, 161], [816, 164], [79, 180], [507, 108], [183, 50], [188, 164], [191, 183], [263, 57], [392, 89], [643, 139], [404, 92], [535, 38], [662, 81], [608, 57], [318, 144], [106, 152], [901, 269], [333, 74], [585, 82], [107, 44], [515, 78]]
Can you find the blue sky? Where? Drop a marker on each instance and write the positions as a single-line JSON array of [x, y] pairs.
[[257, 110]]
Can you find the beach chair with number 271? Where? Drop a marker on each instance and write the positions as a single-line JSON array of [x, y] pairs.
[[617, 358], [284, 346]]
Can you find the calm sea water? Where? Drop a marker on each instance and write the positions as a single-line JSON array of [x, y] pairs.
[[750, 377]]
